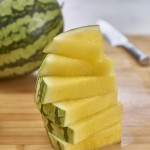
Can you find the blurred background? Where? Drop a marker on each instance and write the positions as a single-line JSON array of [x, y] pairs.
[[129, 16]]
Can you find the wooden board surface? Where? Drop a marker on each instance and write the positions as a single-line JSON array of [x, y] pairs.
[[21, 127]]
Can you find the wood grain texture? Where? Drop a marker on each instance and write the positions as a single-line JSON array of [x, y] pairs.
[[21, 127]]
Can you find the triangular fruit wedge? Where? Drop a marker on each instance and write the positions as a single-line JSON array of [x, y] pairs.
[[100, 139], [53, 89], [55, 65], [88, 126], [68, 112], [82, 43]]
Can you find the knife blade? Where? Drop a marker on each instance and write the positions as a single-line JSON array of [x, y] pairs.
[[116, 38]]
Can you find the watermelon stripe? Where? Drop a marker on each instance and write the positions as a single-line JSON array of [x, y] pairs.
[[42, 90], [64, 131], [37, 56], [27, 68], [33, 36], [49, 126], [30, 53], [28, 10], [25, 25], [59, 146], [40, 107], [66, 134], [57, 119]]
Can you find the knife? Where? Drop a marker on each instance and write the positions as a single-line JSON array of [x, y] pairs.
[[116, 38]]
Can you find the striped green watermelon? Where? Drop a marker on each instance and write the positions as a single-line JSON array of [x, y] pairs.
[[26, 26]]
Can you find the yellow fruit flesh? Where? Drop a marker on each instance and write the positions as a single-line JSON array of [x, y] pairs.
[[98, 140], [55, 65], [82, 43], [63, 89], [102, 120], [73, 111], [85, 108]]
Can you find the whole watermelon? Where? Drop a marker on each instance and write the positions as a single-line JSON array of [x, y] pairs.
[[26, 26]]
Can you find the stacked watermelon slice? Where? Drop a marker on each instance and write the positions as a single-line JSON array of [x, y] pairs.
[[76, 92]]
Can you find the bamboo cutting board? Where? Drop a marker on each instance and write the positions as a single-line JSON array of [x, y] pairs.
[[21, 127]]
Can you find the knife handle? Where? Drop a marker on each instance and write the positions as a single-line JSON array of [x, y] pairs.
[[138, 54]]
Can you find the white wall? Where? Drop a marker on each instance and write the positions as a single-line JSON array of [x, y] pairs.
[[130, 16]]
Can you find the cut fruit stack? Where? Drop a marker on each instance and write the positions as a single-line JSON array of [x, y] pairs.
[[76, 92]]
